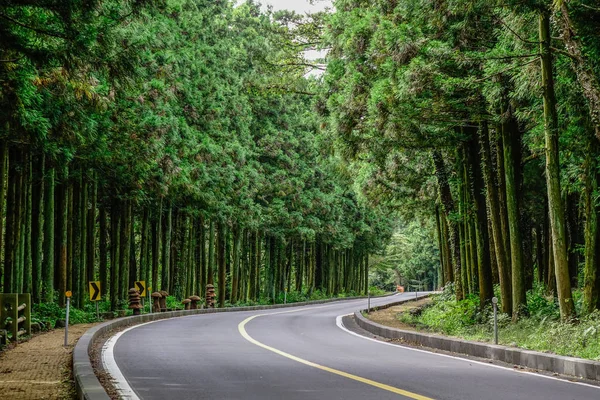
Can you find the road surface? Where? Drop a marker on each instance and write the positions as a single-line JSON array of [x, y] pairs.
[[303, 353]]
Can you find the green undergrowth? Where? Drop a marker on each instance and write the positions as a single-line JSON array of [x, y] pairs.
[[541, 330], [47, 314], [293, 297]]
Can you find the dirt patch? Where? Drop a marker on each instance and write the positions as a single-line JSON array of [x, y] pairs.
[[389, 316], [40, 368], [96, 359]]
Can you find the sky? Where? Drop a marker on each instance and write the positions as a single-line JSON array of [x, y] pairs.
[[298, 5], [301, 6]]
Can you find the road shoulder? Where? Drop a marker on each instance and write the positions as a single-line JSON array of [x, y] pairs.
[[41, 367]]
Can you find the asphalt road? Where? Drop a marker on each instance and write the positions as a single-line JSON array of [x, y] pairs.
[[301, 353]]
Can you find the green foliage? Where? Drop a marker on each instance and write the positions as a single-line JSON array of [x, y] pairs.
[[540, 305], [46, 314], [450, 316], [411, 258], [541, 331], [173, 303], [377, 291]]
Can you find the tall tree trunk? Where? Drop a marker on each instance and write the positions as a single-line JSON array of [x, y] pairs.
[[63, 218], [134, 274], [211, 253], [70, 236], [166, 252], [448, 204], [127, 277], [202, 257], [11, 221], [27, 248], [221, 243], [103, 250], [37, 226], [495, 217], [591, 291], [47, 283], [235, 273], [144, 264], [366, 273], [115, 246], [76, 243], [257, 264], [449, 271], [509, 129], [156, 235], [83, 287], [3, 188], [573, 243], [555, 203], [482, 242], [91, 232]]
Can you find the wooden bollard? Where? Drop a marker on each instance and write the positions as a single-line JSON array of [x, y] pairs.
[[156, 296], [194, 302], [163, 300], [135, 301]]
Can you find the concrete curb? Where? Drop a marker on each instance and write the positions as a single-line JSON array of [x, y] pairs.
[[572, 366], [87, 384]]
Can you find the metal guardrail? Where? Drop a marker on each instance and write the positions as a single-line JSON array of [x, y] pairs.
[[15, 314]]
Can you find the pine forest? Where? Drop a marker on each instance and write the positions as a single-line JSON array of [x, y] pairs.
[[434, 143]]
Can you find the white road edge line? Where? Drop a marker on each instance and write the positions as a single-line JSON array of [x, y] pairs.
[[340, 324], [110, 365]]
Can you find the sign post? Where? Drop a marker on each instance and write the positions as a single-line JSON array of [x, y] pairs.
[[95, 295], [495, 303], [149, 299], [68, 294]]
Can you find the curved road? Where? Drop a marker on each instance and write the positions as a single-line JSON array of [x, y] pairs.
[[301, 353]]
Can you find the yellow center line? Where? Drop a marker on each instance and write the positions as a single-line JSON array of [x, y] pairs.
[[244, 333]]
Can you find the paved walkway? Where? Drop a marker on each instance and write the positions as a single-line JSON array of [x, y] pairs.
[[41, 367]]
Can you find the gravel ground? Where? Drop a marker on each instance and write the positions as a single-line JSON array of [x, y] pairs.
[[40, 368], [389, 316]]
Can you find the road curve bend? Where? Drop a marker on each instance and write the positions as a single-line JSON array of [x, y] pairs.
[[301, 353]]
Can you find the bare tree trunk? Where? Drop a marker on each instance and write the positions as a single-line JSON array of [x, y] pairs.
[[519, 301], [555, 203], [47, 284], [495, 220], [448, 203]]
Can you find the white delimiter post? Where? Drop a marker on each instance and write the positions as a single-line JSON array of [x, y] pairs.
[[67, 321], [495, 303], [368, 293]]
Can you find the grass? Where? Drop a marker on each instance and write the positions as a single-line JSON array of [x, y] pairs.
[[540, 331]]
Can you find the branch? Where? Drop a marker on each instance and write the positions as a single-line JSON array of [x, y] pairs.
[[288, 90], [506, 70], [516, 34], [301, 64], [504, 57], [40, 31], [530, 158], [590, 7], [563, 52]]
